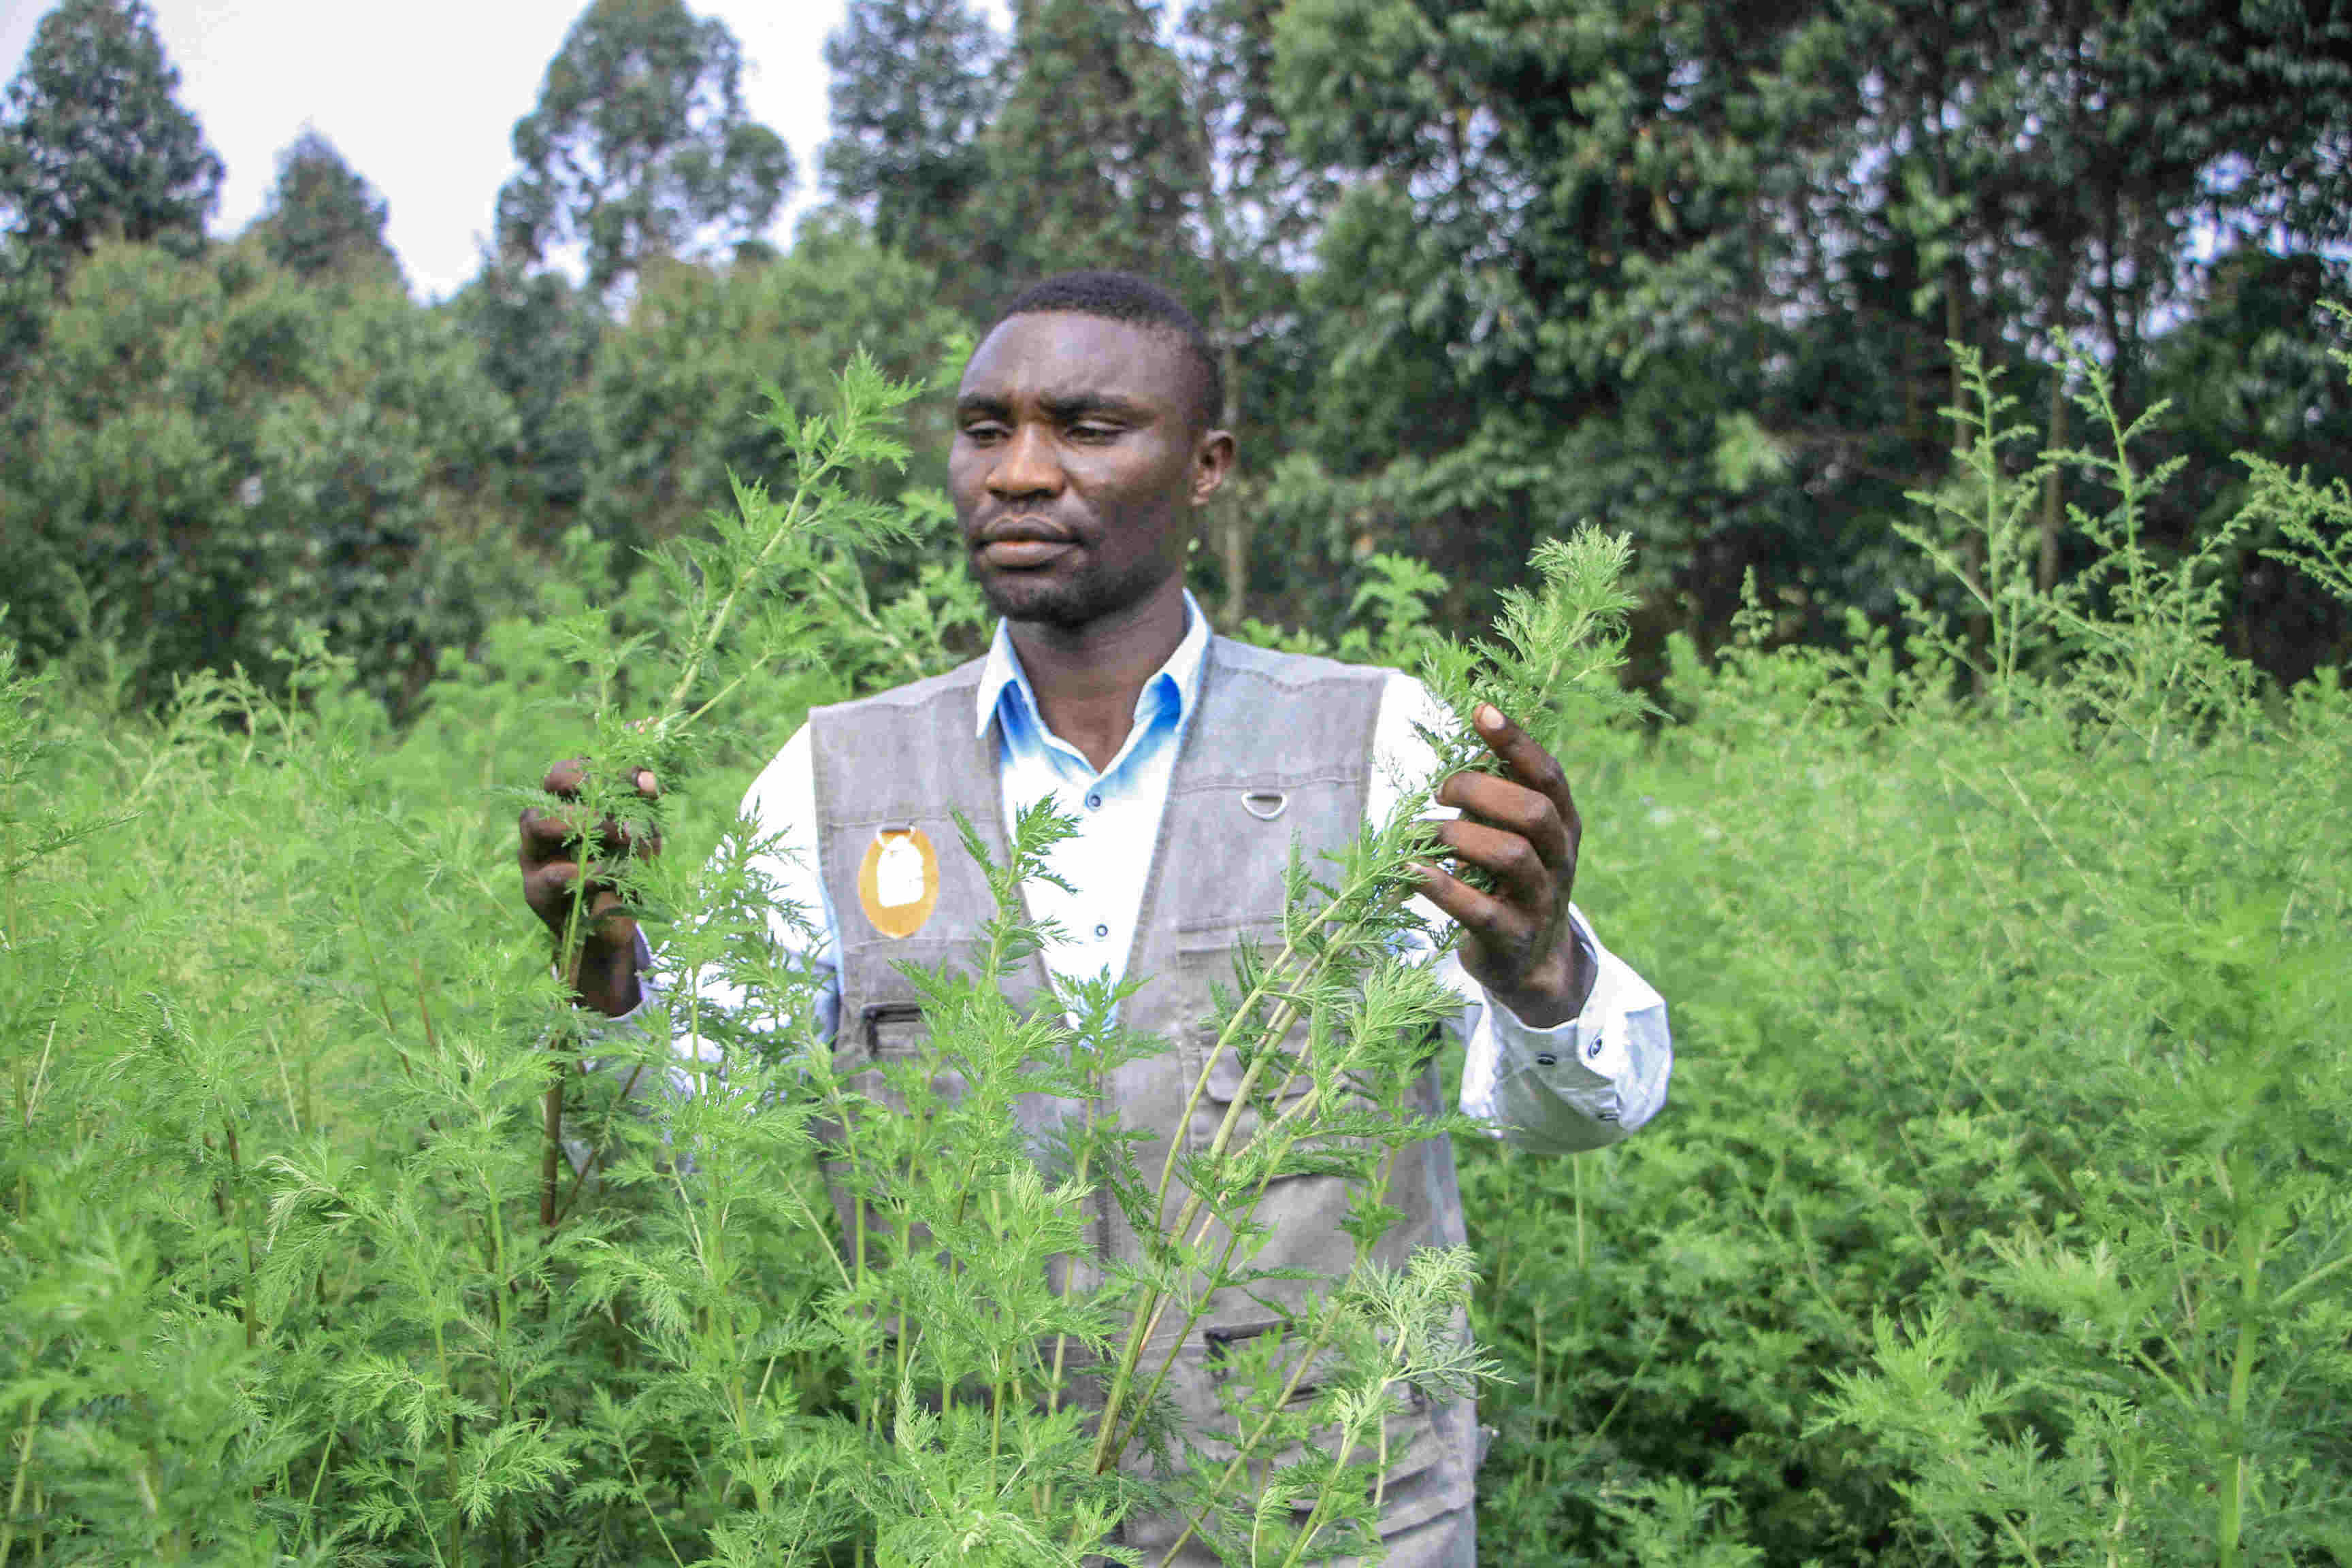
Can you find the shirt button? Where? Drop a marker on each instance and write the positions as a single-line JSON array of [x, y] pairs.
[[1102, 930], [1546, 1060], [1094, 803]]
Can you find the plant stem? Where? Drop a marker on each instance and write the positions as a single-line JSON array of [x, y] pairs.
[[1152, 1306], [245, 1234], [449, 1450], [1323, 1499], [310, 1504], [2241, 1369], [1243, 1451], [646, 1503], [708, 639], [551, 1151], [24, 1470]]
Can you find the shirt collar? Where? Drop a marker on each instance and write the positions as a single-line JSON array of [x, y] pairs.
[[1001, 672]]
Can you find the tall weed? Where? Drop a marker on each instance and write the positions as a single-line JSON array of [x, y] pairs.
[[336, 1234], [1999, 1215], [2002, 1214]]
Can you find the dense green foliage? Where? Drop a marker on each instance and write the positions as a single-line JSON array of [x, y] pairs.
[[914, 86], [1477, 272], [323, 216], [209, 453], [1989, 856], [97, 145], [2001, 1213], [2002, 1219], [640, 147]]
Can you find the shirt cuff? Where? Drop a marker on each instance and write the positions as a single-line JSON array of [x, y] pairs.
[[1522, 1044], [1585, 1083]]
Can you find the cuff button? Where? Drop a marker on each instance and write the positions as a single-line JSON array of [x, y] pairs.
[[1546, 1060], [1594, 1048]]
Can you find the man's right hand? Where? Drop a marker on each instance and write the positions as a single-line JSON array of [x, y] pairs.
[[605, 972]]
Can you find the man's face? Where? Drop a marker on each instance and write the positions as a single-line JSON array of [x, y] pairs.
[[1077, 463]]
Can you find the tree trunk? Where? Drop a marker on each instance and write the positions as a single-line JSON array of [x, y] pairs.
[[2108, 222], [2053, 501], [1229, 519], [1956, 287]]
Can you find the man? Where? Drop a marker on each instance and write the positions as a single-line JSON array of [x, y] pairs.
[[1086, 441]]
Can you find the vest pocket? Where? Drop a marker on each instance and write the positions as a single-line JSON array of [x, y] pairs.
[[887, 1029], [1424, 1475], [887, 1034], [1204, 957]]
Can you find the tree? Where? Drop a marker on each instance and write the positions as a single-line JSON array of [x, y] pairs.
[[915, 83], [1260, 207], [675, 387], [324, 217], [1690, 270], [1536, 300], [640, 145], [2257, 93], [537, 336], [93, 142], [2255, 371], [216, 452], [1092, 163]]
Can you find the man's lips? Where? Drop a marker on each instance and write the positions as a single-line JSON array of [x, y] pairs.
[[1022, 543]]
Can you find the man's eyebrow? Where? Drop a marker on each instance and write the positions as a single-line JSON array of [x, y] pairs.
[[1065, 406], [1078, 404]]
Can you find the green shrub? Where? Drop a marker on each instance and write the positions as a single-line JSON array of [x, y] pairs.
[[2001, 1213]]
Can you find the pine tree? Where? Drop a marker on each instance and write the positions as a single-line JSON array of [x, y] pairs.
[[640, 145], [1093, 162], [915, 83], [95, 144], [324, 217]]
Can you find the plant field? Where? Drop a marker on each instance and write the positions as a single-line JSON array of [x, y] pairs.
[[2002, 1211]]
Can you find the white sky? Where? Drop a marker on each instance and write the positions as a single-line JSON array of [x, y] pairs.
[[420, 97]]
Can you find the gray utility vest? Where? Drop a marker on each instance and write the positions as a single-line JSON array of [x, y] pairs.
[[1265, 725]]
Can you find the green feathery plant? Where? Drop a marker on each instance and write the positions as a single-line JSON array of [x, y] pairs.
[[2020, 1009], [960, 1361], [951, 1233]]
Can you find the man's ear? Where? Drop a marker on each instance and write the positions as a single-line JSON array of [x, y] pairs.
[[1213, 460]]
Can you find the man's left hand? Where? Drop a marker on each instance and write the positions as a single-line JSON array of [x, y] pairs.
[[1516, 940]]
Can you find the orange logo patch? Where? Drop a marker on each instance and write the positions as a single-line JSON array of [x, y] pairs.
[[898, 881]]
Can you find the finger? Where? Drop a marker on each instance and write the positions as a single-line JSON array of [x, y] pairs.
[[1494, 920], [552, 829], [545, 832], [1529, 763], [616, 839], [636, 837], [1516, 808], [1518, 870], [566, 777], [549, 888]]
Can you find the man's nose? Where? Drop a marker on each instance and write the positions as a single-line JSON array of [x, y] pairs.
[[1025, 465]]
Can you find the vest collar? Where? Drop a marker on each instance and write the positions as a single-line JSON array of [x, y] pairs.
[[1003, 680]]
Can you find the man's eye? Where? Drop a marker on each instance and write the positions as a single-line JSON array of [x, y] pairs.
[[1090, 432], [983, 432]]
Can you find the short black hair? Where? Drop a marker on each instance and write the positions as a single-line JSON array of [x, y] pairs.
[[1124, 297]]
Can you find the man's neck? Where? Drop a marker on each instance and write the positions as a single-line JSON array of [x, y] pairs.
[[1087, 678]]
